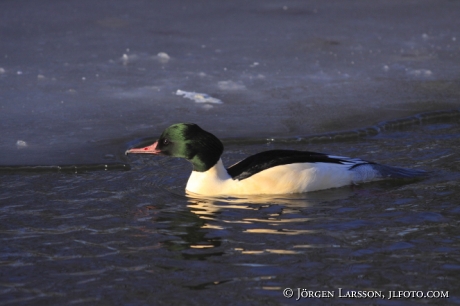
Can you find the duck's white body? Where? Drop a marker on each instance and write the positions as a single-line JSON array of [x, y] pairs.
[[290, 178]]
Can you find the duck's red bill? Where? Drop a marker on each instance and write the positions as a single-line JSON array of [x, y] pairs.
[[152, 149]]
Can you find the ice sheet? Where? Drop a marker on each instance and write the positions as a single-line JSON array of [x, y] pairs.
[[80, 75], [198, 97]]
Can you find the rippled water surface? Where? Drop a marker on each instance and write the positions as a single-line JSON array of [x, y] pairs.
[[134, 237]]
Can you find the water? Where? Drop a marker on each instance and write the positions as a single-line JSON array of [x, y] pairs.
[[80, 81], [134, 237]]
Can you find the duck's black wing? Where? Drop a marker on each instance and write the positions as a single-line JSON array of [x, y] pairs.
[[268, 159]]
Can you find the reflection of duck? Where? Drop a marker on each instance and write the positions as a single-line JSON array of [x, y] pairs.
[[211, 207], [270, 172], [293, 200]]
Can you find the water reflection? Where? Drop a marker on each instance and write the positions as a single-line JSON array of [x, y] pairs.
[[301, 200], [252, 223], [217, 219]]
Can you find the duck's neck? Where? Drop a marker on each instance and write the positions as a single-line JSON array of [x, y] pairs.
[[217, 171], [211, 179]]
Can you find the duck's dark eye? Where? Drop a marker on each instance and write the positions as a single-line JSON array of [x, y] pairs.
[[165, 141]]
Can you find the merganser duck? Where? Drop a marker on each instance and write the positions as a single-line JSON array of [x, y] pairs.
[[269, 172]]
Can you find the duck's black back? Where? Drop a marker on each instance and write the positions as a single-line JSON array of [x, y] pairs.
[[268, 159]]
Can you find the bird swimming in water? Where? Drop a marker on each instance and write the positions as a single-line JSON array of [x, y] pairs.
[[269, 172]]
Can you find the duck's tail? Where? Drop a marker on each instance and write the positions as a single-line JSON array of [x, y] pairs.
[[366, 172], [398, 173]]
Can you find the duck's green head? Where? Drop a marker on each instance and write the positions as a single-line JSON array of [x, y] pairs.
[[189, 141]]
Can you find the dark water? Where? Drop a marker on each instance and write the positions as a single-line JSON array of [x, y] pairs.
[[134, 237], [75, 75]]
